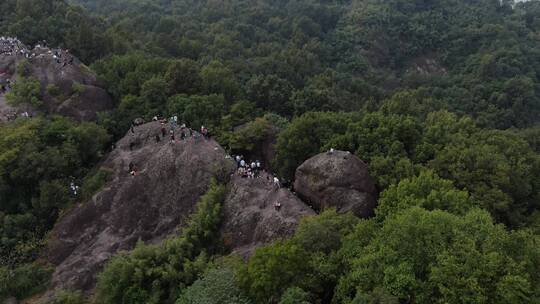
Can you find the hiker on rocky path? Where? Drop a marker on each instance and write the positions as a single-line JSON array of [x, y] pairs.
[[163, 131], [276, 183], [204, 132], [182, 135], [172, 136]]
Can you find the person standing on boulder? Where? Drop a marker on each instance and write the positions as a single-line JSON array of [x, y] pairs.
[[163, 131], [276, 183], [182, 135], [172, 136], [204, 132], [238, 158]]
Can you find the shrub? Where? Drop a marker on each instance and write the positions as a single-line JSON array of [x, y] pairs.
[[23, 281], [69, 297], [53, 90], [295, 295], [215, 287], [25, 91], [78, 88]]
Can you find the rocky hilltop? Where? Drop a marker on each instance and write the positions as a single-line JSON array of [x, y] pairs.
[[169, 178], [155, 184], [67, 86]]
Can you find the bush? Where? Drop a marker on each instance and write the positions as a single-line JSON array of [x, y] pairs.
[[217, 286], [78, 88], [24, 68], [23, 281], [428, 191], [25, 91], [53, 90], [295, 295], [69, 297]]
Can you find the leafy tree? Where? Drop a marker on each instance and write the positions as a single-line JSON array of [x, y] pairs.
[[58, 22], [182, 76], [198, 110], [240, 113], [272, 270], [154, 96], [216, 286], [22, 281], [305, 137], [497, 168], [427, 191], [422, 255], [309, 260], [68, 297], [249, 138], [217, 78], [39, 158], [270, 93], [295, 295], [25, 91]]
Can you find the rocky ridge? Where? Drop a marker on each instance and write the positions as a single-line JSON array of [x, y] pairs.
[[167, 179], [68, 87]]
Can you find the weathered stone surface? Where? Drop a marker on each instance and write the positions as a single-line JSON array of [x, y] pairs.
[[337, 179], [149, 206], [71, 89], [250, 218]]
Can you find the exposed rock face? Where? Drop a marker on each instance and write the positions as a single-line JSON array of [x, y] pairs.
[[68, 89], [250, 218], [337, 179], [149, 206], [426, 65]]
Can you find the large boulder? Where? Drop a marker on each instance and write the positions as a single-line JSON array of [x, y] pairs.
[[250, 218], [337, 179], [149, 206]]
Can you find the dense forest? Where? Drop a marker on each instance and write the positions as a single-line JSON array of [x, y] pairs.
[[440, 98]]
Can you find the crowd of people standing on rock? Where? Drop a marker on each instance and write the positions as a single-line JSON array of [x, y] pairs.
[[254, 169], [13, 48], [244, 169], [247, 169], [10, 46]]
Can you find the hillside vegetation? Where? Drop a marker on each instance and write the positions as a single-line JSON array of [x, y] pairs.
[[440, 98]]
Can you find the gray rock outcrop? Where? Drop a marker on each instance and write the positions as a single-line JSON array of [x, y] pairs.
[[250, 218], [67, 89], [337, 179], [150, 206]]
